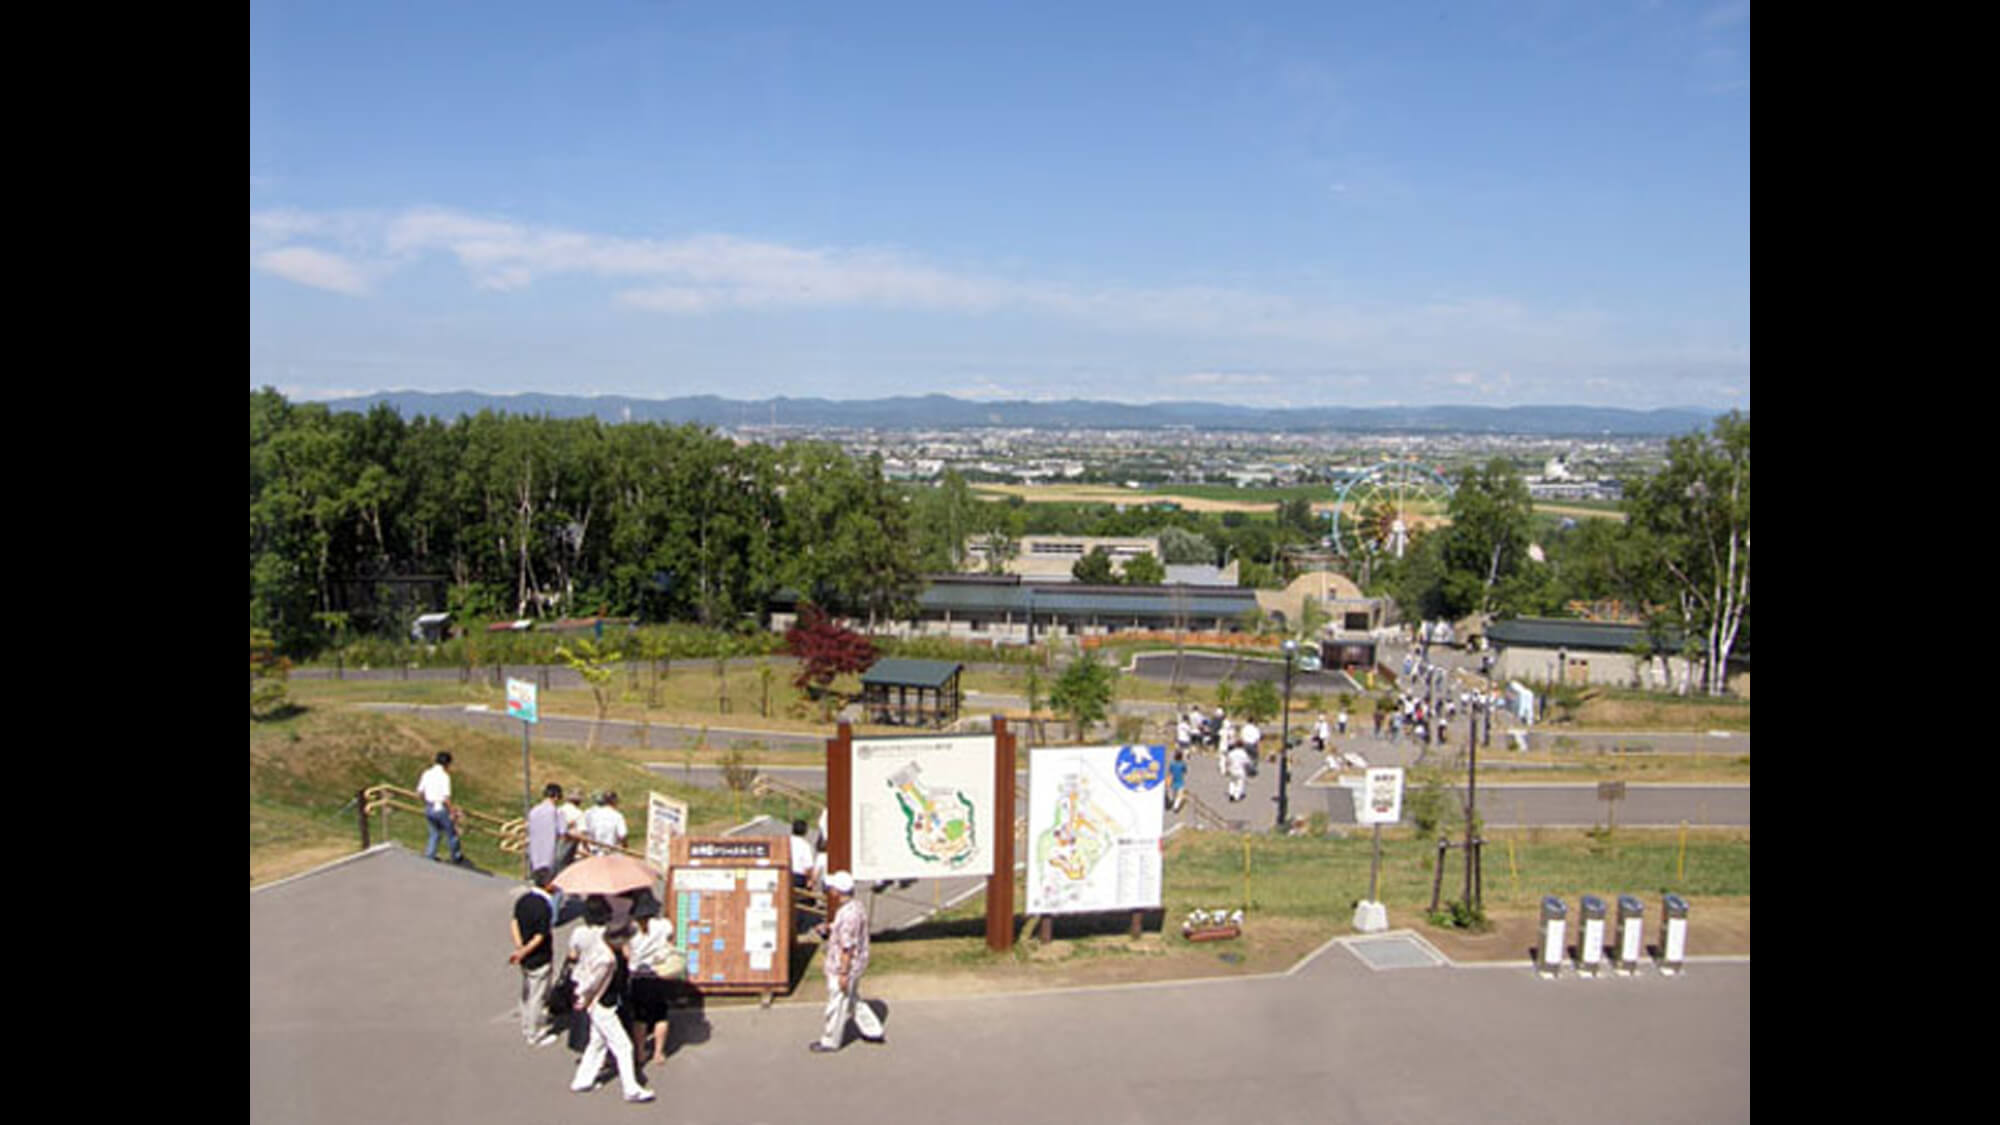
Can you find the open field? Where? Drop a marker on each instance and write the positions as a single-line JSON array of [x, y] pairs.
[[1215, 499]]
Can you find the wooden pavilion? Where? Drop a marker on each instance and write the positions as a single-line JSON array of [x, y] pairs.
[[911, 692]]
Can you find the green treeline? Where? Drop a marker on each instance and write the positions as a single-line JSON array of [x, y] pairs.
[[530, 517], [360, 521]]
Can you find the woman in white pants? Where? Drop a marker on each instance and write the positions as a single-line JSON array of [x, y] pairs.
[[600, 981]]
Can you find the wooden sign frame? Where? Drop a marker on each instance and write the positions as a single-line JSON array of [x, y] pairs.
[[727, 896]]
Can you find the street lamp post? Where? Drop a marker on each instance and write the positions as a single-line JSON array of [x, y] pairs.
[[1285, 741]]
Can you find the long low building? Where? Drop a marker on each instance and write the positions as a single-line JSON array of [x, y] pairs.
[[1005, 609], [1556, 650]]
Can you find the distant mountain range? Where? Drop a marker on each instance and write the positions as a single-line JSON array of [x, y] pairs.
[[944, 412]]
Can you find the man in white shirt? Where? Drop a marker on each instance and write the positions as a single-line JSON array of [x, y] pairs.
[[604, 824], [1249, 736], [1236, 766], [803, 855], [439, 813]]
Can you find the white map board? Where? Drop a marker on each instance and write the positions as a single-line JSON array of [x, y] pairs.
[[923, 807], [1095, 817], [666, 818]]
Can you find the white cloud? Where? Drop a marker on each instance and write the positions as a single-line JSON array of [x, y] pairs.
[[704, 274], [316, 268]]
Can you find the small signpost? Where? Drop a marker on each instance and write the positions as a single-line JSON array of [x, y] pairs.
[[1611, 792], [521, 701], [1381, 802]]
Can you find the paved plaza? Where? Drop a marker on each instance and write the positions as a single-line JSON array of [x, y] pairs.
[[380, 991]]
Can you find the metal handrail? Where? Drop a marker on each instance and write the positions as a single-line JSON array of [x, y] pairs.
[[511, 832], [765, 785], [1204, 812]]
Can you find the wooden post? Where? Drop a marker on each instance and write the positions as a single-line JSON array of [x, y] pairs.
[[1000, 884], [1437, 874], [839, 801]]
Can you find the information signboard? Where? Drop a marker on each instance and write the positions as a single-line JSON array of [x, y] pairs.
[[521, 700], [1381, 797], [924, 807], [731, 902], [666, 818], [1095, 817]]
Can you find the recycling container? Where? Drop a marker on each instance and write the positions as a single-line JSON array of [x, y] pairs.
[[1674, 930], [1549, 959], [1631, 933], [1590, 936]]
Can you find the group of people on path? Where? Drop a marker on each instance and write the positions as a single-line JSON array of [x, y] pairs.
[[558, 831], [622, 971], [621, 968]]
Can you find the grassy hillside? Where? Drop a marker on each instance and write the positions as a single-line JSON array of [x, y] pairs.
[[306, 769]]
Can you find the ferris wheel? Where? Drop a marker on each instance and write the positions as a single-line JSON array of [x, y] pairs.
[[1376, 509]]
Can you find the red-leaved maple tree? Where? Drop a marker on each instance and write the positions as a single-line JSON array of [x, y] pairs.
[[825, 649]]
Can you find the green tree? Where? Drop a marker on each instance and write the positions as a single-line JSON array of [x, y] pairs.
[[597, 666], [1486, 545], [1094, 568], [1084, 692], [847, 533], [1692, 520], [1182, 547], [268, 671], [1144, 570], [1259, 700]]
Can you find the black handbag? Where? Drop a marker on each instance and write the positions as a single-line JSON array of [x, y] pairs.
[[562, 994]]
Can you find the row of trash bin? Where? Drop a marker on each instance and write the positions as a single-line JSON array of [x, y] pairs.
[[1630, 944]]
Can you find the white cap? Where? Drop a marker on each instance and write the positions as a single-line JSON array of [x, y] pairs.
[[841, 881]]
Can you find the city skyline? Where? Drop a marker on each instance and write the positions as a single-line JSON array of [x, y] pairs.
[[1274, 205]]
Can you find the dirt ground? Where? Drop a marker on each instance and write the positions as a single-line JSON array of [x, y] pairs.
[[1716, 928]]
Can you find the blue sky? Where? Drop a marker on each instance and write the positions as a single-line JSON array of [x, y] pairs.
[[1363, 204]]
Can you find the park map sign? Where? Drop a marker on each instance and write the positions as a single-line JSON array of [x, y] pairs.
[[731, 902], [1095, 818], [924, 807]]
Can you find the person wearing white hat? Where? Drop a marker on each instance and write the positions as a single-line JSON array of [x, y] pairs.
[[846, 958]]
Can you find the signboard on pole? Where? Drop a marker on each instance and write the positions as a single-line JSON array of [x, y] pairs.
[[924, 807], [731, 905], [666, 818], [1094, 825], [1381, 798], [521, 699]]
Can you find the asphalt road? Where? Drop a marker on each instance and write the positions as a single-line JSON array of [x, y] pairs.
[[380, 990]]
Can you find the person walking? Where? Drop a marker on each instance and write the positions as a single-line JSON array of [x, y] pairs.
[[1321, 735], [1238, 767], [1250, 736], [439, 813], [846, 959], [1339, 722], [1177, 781], [534, 951], [601, 981]]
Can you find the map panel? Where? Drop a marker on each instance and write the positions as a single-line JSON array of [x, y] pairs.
[[1095, 817], [923, 807]]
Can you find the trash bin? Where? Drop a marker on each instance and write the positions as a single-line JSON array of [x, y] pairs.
[[1674, 929], [1590, 936], [1631, 933], [1549, 959]]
